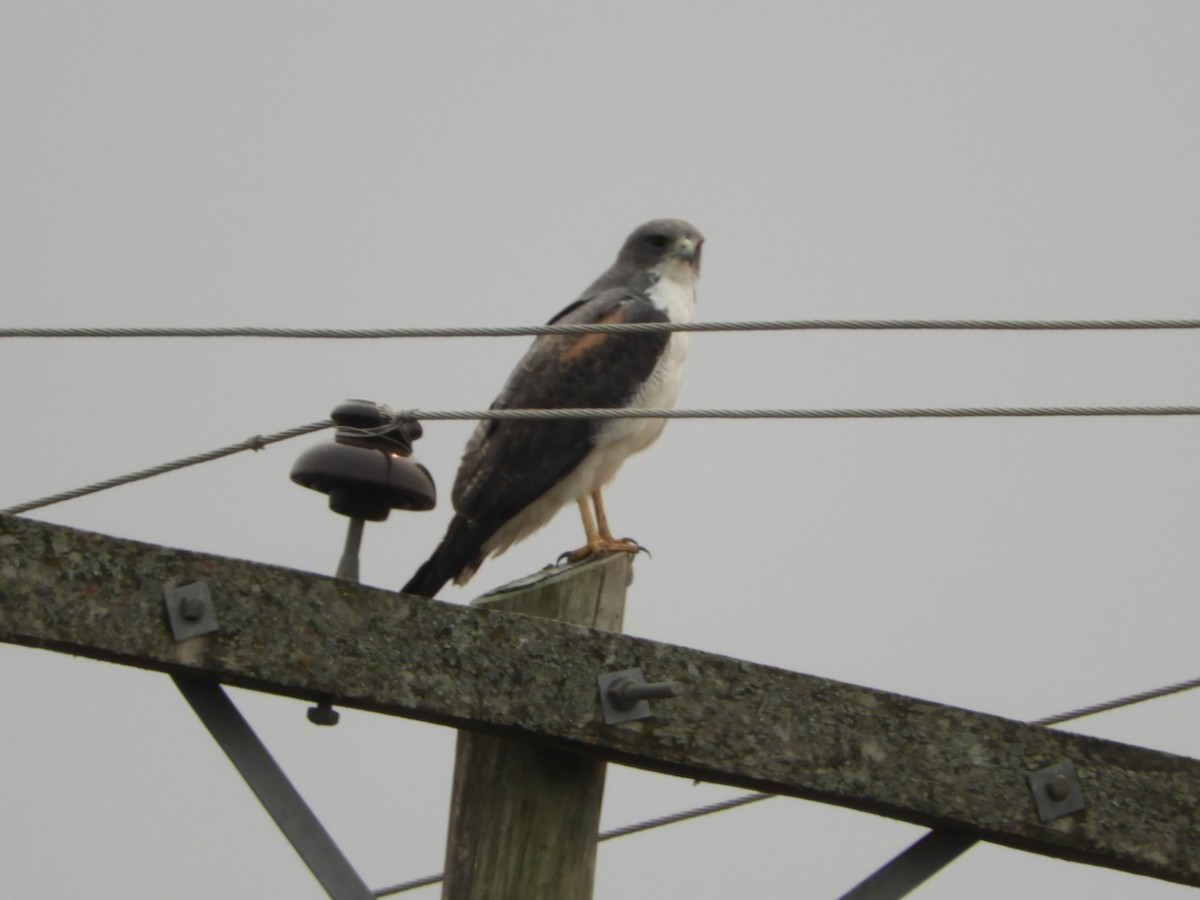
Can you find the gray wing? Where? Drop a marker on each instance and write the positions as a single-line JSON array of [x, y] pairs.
[[509, 464]]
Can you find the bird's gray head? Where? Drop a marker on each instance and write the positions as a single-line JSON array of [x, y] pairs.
[[671, 241]]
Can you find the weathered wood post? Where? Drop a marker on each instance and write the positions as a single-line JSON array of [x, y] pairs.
[[524, 818]]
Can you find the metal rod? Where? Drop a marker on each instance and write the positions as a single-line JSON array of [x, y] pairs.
[[908, 870], [273, 789], [348, 565]]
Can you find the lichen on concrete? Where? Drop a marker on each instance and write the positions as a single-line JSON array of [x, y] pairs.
[[310, 636]]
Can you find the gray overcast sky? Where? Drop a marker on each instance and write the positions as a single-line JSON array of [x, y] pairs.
[[403, 164]]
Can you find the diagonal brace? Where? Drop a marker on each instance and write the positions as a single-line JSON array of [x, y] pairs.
[[297, 822], [913, 867]]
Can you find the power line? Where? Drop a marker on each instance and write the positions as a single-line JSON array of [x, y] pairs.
[[608, 835], [630, 328], [1129, 700], [257, 442], [744, 799], [684, 816], [394, 889], [910, 413]]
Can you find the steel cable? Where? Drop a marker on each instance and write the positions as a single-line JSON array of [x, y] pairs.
[[627, 328]]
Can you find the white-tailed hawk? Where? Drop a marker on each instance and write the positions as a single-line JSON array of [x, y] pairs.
[[515, 475]]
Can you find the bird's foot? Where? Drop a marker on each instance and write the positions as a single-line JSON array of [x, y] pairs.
[[601, 546]]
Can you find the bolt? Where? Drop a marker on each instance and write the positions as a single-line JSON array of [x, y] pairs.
[[323, 714], [191, 608], [625, 693], [1058, 788]]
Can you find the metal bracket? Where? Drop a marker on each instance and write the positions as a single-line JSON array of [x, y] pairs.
[[625, 695], [1056, 791], [190, 610], [276, 793]]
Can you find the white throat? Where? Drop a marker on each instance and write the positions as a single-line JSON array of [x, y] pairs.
[[675, 290]]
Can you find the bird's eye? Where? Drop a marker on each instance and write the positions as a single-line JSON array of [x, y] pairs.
[[657, 240]]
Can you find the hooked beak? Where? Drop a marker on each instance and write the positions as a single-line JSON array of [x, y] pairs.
[[688, 249]]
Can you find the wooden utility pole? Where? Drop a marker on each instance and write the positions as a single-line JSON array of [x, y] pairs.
[[523, 817]]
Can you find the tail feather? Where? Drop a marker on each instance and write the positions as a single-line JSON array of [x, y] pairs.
[[460, 553]]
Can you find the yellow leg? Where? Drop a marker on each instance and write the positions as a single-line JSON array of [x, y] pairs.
[[589, 525], [601, 518], [599, 538]]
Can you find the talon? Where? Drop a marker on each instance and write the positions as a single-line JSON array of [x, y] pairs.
[[640, 548], [599, 547]]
